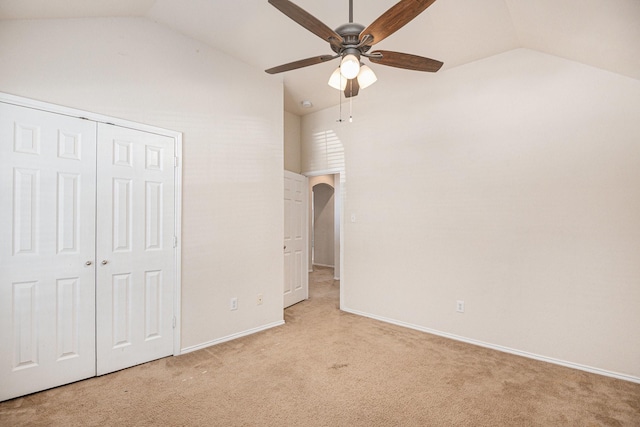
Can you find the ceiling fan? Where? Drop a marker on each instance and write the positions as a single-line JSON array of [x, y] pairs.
[[352, 41]]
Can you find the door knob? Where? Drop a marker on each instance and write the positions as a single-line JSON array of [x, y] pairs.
[[104, 262], [88, 263]]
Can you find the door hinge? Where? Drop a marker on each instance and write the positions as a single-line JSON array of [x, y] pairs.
[[176, 161], [175, 241], [173, 323]]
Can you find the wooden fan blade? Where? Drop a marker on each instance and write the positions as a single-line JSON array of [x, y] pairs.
[[352, 89], [301, 63], [405, 60], [308, 21], [394, 19]]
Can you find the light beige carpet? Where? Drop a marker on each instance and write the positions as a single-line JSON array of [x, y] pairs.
[[330, 368]]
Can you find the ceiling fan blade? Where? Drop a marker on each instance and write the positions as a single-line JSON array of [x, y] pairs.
[[301, 63], [308, 21], [405, 60], [394, 19], [352, 89]]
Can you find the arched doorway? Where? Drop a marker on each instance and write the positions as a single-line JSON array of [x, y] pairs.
[[334, 185]]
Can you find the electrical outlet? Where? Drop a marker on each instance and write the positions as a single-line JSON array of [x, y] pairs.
[[460, 306], [233, 303], [259, 299]]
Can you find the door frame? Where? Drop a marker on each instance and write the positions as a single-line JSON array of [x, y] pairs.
[[177, 136], [338, 188]]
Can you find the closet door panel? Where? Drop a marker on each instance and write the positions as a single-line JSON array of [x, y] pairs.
[[136, 270], [47, 249]]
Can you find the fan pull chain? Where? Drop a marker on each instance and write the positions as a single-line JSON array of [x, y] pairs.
[[340, 104], [351, 106], [340, 99]]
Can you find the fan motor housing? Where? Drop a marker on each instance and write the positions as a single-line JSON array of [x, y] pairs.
[[350, 33]]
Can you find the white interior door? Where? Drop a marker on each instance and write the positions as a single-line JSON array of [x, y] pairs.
[[135, 253], [296, 241], [47, 250]]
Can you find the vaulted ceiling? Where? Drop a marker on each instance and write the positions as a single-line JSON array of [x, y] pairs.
[[604, 34]]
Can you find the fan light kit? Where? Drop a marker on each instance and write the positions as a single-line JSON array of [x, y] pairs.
[[350, 64], [353, 41], [366, 77]]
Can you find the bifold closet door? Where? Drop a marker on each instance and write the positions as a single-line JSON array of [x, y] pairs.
[[135, 247], [47, 250]]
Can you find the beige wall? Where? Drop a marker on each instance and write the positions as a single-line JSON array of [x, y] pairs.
[[232, 149], [512, 183], [292, 142]]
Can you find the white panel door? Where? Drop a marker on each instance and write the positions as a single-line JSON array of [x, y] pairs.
[[135, 253], [296, 218], [47, 250]]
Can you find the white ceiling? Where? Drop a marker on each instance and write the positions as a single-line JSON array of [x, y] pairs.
[[604, 34]]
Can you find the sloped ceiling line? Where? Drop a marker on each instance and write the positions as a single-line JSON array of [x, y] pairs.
[[601, 34]]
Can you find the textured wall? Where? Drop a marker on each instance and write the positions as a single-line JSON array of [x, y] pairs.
[[232, 149], [512, 183], [292, 142]]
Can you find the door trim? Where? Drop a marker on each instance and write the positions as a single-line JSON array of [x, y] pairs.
[[177, 136]]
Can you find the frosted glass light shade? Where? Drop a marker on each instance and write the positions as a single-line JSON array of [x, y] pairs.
[[366, 77], [337, 80], [350, 66]]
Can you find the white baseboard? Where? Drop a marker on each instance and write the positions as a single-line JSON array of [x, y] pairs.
[[503, 349], [231, 337], [323, 265]]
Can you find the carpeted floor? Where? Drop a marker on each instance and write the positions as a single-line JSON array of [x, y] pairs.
[[330, 368]]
